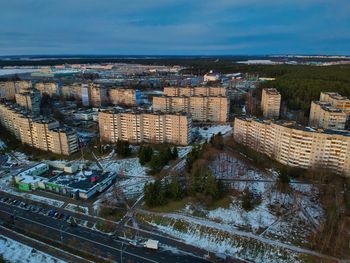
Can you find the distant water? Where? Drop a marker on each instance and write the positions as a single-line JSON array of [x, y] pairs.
[[4, 72]]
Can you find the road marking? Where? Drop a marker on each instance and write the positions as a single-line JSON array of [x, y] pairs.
[[80, 237]]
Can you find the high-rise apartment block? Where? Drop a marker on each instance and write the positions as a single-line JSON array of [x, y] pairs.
[[270, 103], [72, 91], [137, 127], [195, 91], [201, 108], [7, 90], [38, 132], [324, 115], [30, 100], [49, 88], [124, 96], [332, 111], [336, 100], [23, 85], [294, 145], [98, 95]]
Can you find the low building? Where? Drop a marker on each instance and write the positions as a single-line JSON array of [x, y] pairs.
[[73, 184], [30, 179], [137, 127], [295, 145]]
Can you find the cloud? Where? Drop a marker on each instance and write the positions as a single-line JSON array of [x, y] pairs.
[[174, 26]]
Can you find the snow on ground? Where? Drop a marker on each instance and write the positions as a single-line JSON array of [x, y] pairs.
[[287, 216], [76, 208], [223, 242], [208, 132], [131, 177], [2, 145], [183, 151], [13, 251]]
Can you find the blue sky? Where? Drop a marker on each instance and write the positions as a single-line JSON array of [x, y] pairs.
[[174, 27]]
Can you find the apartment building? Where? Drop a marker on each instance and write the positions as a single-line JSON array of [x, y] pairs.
[[30, 100], [295, 145], [195, 91], [337, 101], [23, 85], [98, 95], [201, 108], [324, 115], [124, 96], [7, 90], [271, 103], [49, 88], [137, 127], [38, 132], [72, 91]]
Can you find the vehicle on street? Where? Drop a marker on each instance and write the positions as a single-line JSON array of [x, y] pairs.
[[151, 244]]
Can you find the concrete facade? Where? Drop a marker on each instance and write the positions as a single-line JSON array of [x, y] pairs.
[[137, 127], [270, 103], [201, 108], [294, 145]]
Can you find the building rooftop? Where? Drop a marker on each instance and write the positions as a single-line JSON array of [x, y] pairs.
[[295, 125], [336, 96], [328, 107], [81, 180], [272, 91]]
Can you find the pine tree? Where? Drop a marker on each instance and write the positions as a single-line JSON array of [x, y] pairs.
[[175, 189], [175, 153]]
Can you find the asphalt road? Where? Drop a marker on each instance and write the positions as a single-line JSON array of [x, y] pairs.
[[93, 241]]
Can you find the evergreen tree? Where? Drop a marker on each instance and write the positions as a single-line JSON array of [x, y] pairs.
[[211, 186], [175, 189], [123, 148], [175, 153]]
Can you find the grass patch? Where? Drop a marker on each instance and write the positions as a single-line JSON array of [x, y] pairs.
[[221, 203], [112, 214], [172, 206]]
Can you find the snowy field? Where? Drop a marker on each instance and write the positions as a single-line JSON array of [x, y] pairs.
[[2, 145], [278, 224], [131, 178], [76, 208], [15, 252], [207, 132]]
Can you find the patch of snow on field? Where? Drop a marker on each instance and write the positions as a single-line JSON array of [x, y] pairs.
[[2, 145], [183, 151], [259, 217], [208, 132], [76, 208], [223, 243], [13, 251]]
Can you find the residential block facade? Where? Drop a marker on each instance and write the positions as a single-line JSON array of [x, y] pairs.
[[294, 145], [324, 115], [123, 96], [195, 91], [30, 100], [37, 132], [201, 108], [137, 127], [270, 103]]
